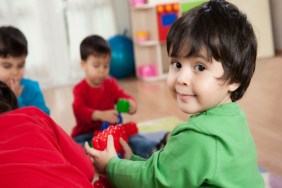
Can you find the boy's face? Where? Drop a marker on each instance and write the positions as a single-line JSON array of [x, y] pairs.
[[195, 83], [96, 69], [12, 68]]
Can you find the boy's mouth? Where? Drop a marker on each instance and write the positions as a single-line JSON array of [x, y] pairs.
[[185, 97]]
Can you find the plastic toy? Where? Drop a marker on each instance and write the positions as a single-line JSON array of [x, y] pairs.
[[99, 142], [137, 2], [145, 71], [105, 125], [166, 15], [123, 105], [130, 128], [142, 36], [102, 182], [122, 60], [125, 130]]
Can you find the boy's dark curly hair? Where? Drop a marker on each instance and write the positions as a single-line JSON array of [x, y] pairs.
[[94, 45], [12, 42], [8, 100]]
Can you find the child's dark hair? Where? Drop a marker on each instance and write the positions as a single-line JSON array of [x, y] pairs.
[[12, 42], [94, 45], [225, 33], [8, 100]]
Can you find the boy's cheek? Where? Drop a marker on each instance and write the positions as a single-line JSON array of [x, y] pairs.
[[170, 81], [5, 80]]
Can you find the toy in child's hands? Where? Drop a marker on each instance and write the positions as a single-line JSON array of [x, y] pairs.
[[102, 182], [105, 125], [130, 128], [99, 142], [123, 106], [123, 131]]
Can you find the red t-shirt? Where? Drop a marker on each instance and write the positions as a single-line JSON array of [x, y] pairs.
[[36, 152], [87, 99]]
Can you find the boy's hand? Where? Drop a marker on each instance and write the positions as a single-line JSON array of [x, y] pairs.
[[110, 116], [132, 107], [101, 158], [126, 148], [15, 86]]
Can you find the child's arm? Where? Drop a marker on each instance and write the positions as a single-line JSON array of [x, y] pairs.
[[132, 106], [182, 157], [101, 158], [110, 116], [32, 95]]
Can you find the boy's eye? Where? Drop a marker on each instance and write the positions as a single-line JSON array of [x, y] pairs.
[[21, 66], [7, 66], [96, 65], [176, 64], [200, 68]]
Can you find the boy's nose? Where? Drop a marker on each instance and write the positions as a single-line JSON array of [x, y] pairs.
[[15, 72], [184, 77], [102, 70]]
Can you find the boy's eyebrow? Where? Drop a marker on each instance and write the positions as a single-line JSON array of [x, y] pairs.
[[205, 57], [5, 62]]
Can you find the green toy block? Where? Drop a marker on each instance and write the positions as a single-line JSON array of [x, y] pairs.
[[123, 105]]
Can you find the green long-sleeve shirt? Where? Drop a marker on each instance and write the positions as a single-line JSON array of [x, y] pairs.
[[212, 149]]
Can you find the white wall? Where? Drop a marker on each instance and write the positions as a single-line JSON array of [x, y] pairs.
[[258, 12], [122, 15], [54, 30], [276, 14]]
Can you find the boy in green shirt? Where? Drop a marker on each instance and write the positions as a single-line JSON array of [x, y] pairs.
[[212, 52]]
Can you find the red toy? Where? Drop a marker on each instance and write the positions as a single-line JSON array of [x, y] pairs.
[[99, 142], [102, 182], [130, 128], [166, 15]]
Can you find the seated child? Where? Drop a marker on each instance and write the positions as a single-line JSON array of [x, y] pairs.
[[212, 54], [96, 95], [13, 52], [35, 151]]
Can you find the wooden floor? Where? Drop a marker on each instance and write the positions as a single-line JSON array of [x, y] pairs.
[[262, 104]]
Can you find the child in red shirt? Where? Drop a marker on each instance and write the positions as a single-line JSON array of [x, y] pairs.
[[96, 95], [35, 151]]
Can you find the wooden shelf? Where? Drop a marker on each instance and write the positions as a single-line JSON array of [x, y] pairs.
[[144, 18], [143, 7], [148, 43]]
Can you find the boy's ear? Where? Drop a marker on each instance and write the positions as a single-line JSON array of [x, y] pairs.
[[233, 87]]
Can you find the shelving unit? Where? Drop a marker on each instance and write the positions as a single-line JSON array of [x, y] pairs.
[[152, 52]]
